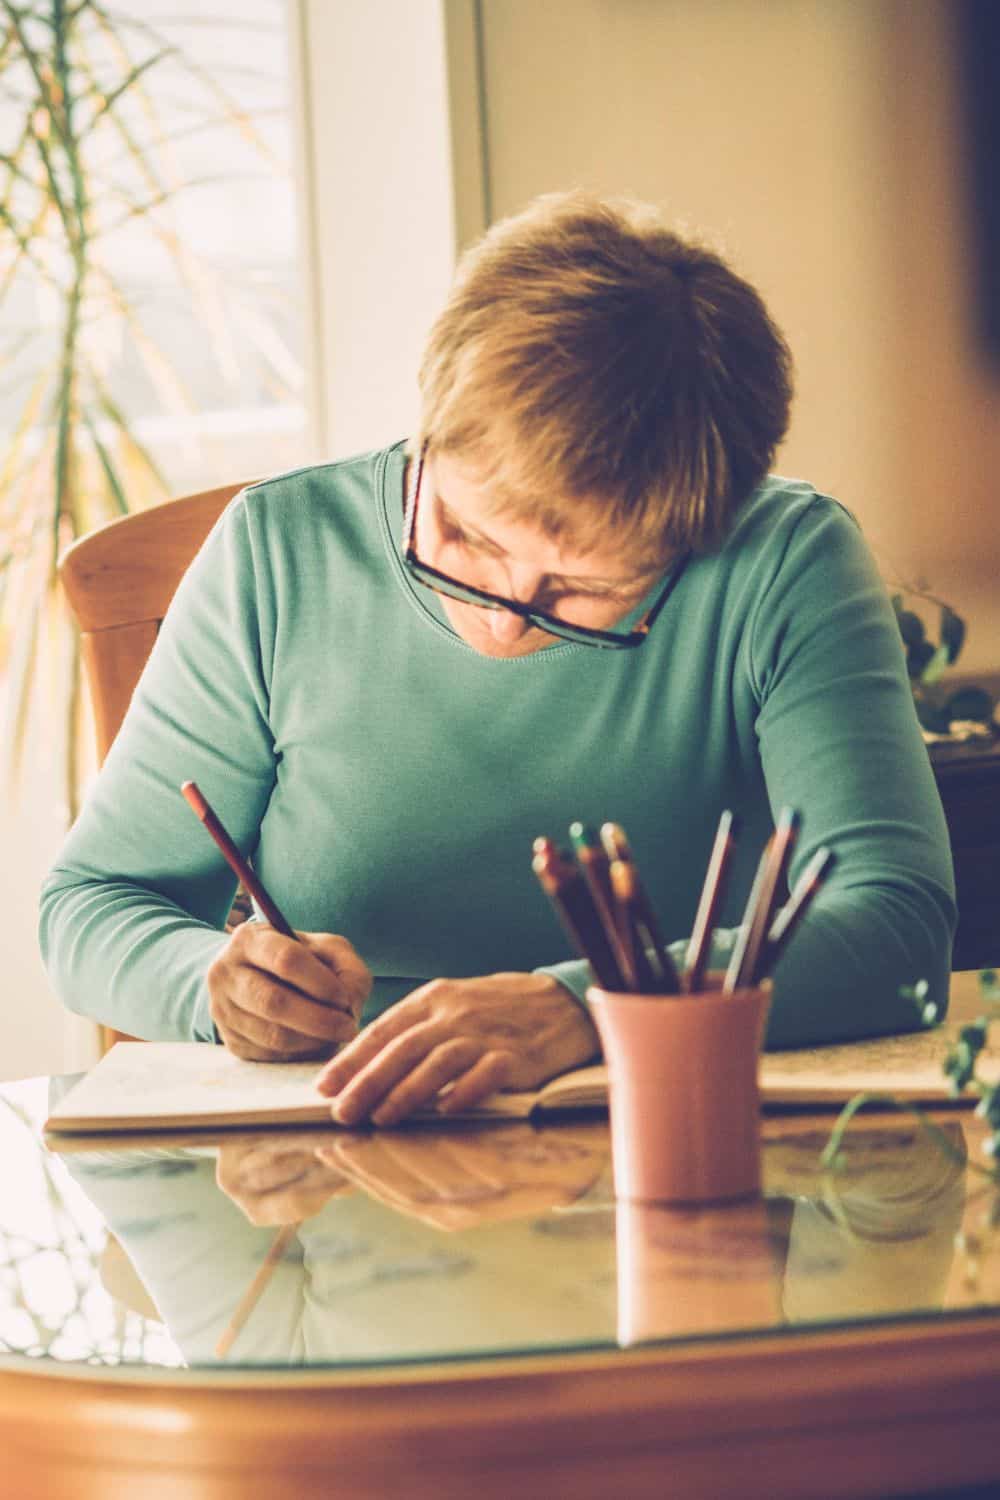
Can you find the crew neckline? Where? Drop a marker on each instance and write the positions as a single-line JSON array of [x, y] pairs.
[[389, 474]]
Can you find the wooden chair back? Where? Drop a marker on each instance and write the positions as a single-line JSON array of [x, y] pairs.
[[119, 580]]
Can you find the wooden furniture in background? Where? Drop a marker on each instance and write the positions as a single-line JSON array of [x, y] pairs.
[[968, 778], [119, 580]]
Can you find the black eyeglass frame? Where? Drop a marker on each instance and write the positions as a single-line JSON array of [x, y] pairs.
[[466, 593]]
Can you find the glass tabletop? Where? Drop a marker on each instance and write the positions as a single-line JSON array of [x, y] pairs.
[[343, 1249]]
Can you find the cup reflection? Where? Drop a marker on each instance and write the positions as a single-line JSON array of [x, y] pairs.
[[687, 1271]]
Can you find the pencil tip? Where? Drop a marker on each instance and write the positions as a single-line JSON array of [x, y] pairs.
[[614, 841], [583, 836]]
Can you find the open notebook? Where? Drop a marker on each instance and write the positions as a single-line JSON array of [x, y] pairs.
[[181, 1085]]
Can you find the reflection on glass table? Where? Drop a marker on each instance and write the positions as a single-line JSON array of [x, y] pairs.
[[463, 1269], [311, 1249], [55, 1301]]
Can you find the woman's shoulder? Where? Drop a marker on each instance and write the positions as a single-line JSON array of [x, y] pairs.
[[780, 506], [787, 527], [319, 489], [300, 524]]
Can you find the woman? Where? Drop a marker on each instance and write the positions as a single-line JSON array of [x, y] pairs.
[[577, 594]]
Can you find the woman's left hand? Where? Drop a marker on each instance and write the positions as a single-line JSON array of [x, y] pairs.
[[501, 1031]]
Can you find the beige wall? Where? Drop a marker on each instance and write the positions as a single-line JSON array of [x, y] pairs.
[[36, 1034], [815, 142], [381, 207]]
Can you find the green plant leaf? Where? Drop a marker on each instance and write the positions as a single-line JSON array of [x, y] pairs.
[[111, 99], [952, 632], [970, 703], [917, 657], [911, 626], [932, 716], [21, 435], [107, 465], [936, 667], [114, 412], [20, 685]]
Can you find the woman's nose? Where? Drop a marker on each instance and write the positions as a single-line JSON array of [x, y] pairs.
[[507, 627]]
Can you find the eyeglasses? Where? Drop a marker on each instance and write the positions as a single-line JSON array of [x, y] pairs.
[[453, 588]]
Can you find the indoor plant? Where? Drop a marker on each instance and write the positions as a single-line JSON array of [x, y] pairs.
[[91, 171], [939, 706]]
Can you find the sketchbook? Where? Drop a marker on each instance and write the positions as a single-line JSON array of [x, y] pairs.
[[140, 1086]]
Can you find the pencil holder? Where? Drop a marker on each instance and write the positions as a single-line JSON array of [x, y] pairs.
[[683, 1095]]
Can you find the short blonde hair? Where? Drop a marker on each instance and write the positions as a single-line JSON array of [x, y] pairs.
[[593, 368]]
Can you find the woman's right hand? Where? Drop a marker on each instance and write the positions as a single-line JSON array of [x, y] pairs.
[[275, 999]]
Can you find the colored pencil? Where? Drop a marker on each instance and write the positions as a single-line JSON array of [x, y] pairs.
[[235, 860], [615, 843], [617, 846], [639, 945], [564, 883], [764, 895], [592, 858], [712, 895], [602, 903], [791, 914]]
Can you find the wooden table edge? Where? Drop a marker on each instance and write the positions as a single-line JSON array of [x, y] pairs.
[[976, 1330], [823, 1414]]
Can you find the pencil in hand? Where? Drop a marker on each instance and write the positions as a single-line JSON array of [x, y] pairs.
[[712, 895], [235, 860]]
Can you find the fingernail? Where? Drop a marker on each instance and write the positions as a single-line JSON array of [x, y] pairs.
[[333, 1080]]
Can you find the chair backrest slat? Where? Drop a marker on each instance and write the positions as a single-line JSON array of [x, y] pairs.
[[119, 581], [113, 660]]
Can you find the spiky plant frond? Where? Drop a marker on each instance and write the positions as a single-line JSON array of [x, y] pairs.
[[97, 103]]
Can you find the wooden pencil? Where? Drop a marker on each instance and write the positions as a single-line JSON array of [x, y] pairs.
[[564, 883], [712, 895], [593, 860], [791, 914], [759, 913], [618, 848], [241, 867], [640, 948]]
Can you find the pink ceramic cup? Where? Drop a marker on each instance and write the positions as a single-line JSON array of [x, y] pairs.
[[684, 1102]]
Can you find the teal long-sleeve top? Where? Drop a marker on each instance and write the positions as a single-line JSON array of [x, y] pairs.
[[388, 780]]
